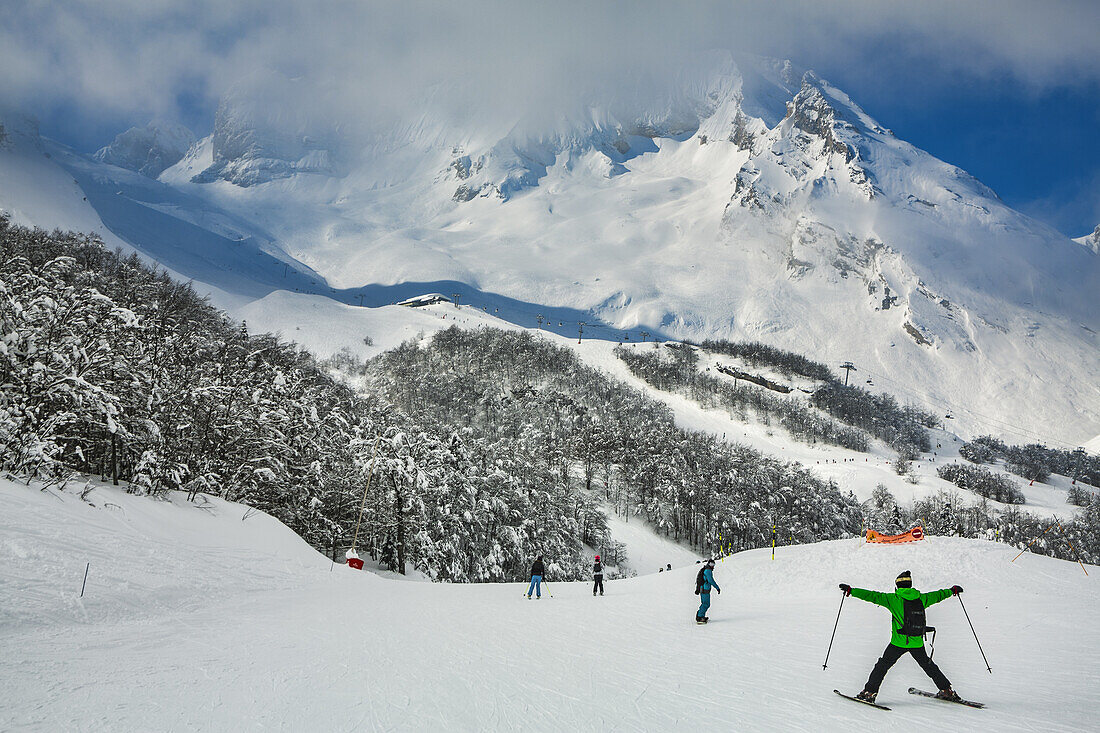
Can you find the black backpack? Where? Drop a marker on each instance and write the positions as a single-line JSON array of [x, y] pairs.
[[912, 621], [699, 580]]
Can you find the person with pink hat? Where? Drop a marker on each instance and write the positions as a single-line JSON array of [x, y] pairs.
[[597, 576]]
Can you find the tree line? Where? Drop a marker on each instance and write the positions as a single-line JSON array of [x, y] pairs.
[[674, 368], [758, 354], [949, 514], [1034, 461]]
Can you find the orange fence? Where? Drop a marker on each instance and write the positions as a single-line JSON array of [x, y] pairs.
[[913, 535]]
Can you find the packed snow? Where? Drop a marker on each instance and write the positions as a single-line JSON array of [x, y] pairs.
[[210, 616]]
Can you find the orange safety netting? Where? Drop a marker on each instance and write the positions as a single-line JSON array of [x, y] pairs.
[[913, 535]]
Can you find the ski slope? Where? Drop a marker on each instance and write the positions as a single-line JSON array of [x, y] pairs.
[[196, 620]]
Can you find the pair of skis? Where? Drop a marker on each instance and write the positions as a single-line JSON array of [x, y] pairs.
[[912, 691]]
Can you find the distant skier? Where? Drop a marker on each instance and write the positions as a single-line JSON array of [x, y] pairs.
[[704, 581], [537, 571], [597, 576], [907, 605]]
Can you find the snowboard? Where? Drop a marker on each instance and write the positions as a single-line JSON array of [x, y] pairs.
[[971, 703], [862, 702]]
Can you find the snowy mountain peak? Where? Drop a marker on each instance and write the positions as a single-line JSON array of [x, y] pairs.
[[1091, 241], [148, 150], [254, 142]]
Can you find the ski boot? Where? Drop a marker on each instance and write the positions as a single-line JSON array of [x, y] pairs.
[[949, 695], [867, 696]]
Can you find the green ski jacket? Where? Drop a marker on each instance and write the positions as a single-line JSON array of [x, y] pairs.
[[894, 603]]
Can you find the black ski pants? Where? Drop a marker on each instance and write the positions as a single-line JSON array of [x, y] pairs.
[[598, 585], [892, 655]]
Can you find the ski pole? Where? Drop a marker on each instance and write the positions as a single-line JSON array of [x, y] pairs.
[[85, 583], [975, 633], [824, 666], [548, 591]]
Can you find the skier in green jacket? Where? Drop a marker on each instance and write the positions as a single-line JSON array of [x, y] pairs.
[[906, 605]]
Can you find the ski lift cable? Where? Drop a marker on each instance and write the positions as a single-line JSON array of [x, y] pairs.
[[988, 420]]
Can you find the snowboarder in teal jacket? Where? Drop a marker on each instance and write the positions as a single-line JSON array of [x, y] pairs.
[[906, 605], [703, 583]]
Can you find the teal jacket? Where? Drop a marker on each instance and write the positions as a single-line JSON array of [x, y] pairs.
[[895, 604], [708, 581]]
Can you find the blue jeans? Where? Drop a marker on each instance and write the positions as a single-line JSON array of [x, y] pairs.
[[705, 598], [536, 585]]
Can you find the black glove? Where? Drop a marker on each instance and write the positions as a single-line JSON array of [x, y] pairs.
[[697, 591], [846, 588], [719, 591], [956, 589]]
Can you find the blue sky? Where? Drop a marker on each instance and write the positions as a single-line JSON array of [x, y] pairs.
[[1009, 90], [1038, 149]]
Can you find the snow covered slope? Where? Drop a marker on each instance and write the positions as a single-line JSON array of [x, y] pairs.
[[326, 328], [196, 620], [758, 201]]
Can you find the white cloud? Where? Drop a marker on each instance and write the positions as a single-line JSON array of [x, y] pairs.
[[370, 59]]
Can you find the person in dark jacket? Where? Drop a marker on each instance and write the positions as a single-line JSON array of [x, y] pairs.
[[906, 605], [537, 571], [597, 576]]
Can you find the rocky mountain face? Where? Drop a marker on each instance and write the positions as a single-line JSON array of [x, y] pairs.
[[254, 145], [148, 150], [1092, 241]]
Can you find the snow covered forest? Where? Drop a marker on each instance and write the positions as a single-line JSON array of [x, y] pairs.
[[525, 402], [482, 447], [864, 415]]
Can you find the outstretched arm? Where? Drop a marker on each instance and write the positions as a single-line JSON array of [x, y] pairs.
[[934, 597], [871, 596]]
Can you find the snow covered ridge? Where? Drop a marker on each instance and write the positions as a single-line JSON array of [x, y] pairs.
[[149, 150], [1092, 241], [194, 619], [252, 145], [757, 202]]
